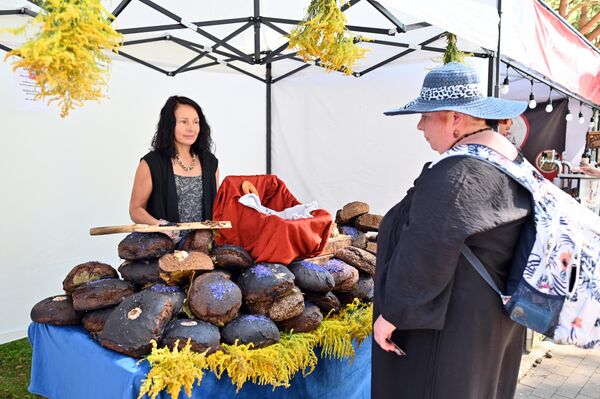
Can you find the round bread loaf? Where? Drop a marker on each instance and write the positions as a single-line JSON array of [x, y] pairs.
[[344, 275], [266, 281], [57, 310], [350, 211], [94, 321], [253, 329], [310, 319], [231, 256], [363, 290], [100, 294], [140, 272], [326, 302], [214, 299], [175, 293], [359, 258], [137, 320], [202, 335], [359, 239], [312, 277], [183, 260], [88, 271], [281, 308], [197, 240], [137, 246]]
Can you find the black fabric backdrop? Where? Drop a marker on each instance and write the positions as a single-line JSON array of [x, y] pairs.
[[547, 131]]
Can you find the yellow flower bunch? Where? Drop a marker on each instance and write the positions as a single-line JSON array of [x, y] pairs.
[[66, 58], [322, 35], [273, 365], [172, 370]]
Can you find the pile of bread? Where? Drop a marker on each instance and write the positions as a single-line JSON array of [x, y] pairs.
[[209, 294]]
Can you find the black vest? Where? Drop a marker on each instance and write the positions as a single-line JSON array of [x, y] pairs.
[[162, 203]]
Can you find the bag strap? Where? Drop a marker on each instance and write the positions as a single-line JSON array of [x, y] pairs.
[[479, 268]]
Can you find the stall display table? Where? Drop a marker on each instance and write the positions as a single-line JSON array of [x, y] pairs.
[[68, 364]]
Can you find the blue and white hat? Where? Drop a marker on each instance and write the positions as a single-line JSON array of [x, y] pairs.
[[455, 87]]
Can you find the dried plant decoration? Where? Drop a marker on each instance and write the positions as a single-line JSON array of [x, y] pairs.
[[68, 57], [322, 36]]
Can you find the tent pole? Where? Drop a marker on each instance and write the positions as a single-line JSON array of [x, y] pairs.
[[494, 63], [269, 81]]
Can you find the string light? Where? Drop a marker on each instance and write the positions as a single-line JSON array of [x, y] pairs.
[[532, 104], [504, 89], [549, 107], [568, 116], [581, 119]]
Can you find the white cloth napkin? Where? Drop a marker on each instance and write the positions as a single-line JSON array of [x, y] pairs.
[[301, 211]]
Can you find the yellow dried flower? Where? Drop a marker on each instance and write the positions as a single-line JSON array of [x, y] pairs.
[[66, 58], [322, 35], [273, 365]]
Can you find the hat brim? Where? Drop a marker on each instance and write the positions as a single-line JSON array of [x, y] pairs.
[[483, 107]]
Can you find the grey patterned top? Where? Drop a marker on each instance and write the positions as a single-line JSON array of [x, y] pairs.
[[189, 198]]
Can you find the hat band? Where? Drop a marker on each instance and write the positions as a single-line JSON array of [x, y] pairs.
[[470, 90]]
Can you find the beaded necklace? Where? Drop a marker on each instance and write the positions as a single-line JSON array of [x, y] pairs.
[[186, 168]]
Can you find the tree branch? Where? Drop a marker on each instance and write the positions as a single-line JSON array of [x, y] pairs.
[[593, 35], [562, 8], [590, 24]]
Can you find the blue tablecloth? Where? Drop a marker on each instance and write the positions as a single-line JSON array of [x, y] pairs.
[[68, 364]]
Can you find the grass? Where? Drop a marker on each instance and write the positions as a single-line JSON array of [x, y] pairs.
[[15, 366]]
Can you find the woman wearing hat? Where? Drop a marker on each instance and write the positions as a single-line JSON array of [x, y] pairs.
[[440, 331]]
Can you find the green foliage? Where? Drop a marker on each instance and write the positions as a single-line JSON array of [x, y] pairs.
[[15, 367], [453, 54]]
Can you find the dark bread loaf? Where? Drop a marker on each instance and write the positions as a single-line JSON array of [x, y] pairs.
[[202, 335], [137, 246], [312, 277], [326, 302], [231, 256], [359, 258], [100, 294], [266, 281], [214, 299], [140, 318], [197, 240], [310, 319], [57, 310], [253, 329], [344, 275], [94, 321], [86, 272], [140, 272]]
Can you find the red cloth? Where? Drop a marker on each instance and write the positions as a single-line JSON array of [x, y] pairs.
[[269, 238]]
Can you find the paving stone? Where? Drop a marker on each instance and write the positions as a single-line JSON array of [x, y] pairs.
[[523, 392]]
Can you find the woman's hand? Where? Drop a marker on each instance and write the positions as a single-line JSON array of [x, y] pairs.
[[382, 332], [588, 170]]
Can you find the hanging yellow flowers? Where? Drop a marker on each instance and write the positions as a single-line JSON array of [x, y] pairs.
[[66, 58], [273, 365], [322, 36]]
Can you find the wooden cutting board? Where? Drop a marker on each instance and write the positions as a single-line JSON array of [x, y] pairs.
[[149, 228]]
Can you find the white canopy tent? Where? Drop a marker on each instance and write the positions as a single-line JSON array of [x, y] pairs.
[[330, 141]]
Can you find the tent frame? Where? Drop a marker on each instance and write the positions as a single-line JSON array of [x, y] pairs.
[[223, 53]]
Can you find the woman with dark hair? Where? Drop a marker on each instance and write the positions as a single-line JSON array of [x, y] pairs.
[[177, 181]]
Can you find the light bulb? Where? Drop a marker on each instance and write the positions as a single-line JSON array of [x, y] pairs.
[[504, 89], [549, 107], [532, 103], [581, 119], [568, 116]]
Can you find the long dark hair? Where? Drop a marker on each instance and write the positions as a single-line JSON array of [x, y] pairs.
[[164, 138]]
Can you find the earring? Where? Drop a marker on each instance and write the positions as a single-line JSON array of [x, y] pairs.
[[456, 134]]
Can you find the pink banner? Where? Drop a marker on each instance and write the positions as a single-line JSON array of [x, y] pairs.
[[563, 57]]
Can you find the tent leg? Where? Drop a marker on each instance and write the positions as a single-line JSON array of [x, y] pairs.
[[494, 65], [269, 81]]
